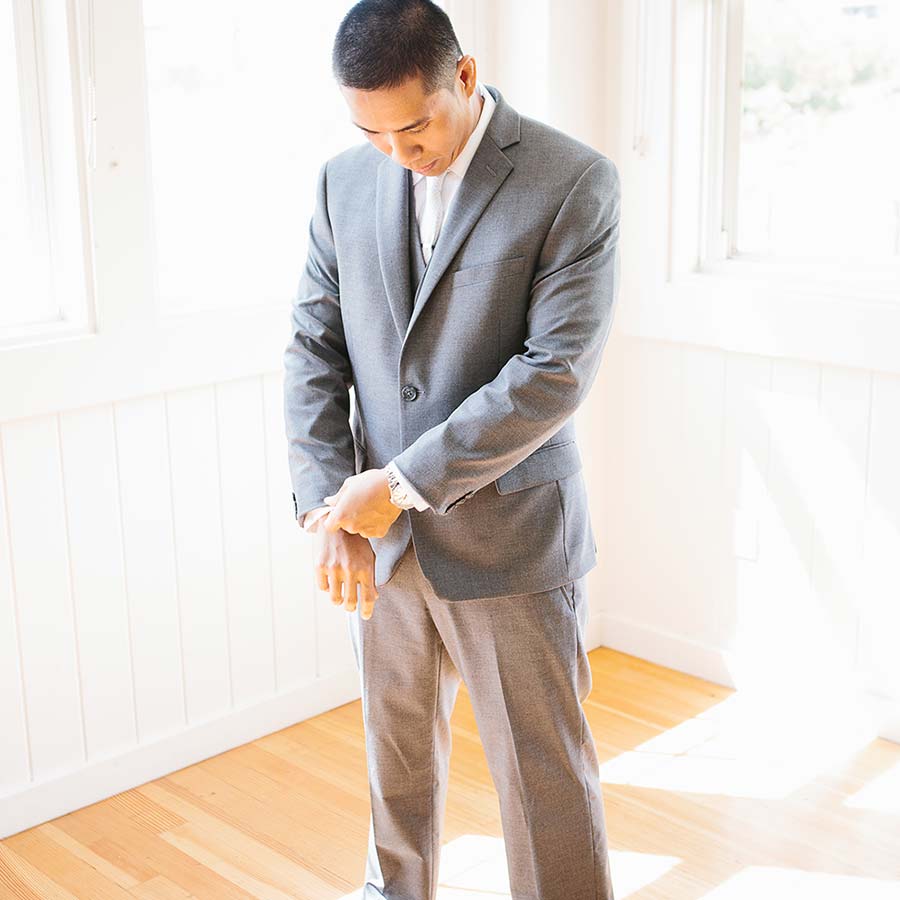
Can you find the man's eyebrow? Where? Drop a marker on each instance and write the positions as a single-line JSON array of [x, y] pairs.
[[405, 128]]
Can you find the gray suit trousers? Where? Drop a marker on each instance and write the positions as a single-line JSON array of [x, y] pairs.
[[524, 663]]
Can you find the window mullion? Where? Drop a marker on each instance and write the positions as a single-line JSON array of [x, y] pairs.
[[734, 56], [121, 187], [713, 155]]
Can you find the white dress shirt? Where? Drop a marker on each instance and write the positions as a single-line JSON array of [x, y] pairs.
[[454, 176]]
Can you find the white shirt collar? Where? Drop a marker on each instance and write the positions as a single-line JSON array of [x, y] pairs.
[[461, 163]]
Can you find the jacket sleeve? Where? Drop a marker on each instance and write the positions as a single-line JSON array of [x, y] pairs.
[[570, 314], [317, 372]]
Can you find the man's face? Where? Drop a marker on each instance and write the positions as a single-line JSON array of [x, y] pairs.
[[414, 129]]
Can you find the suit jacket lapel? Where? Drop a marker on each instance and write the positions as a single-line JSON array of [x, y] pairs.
[[392, 191], [487, 171]]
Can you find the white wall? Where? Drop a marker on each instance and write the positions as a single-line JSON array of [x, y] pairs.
[[157, 602], [750, 513]]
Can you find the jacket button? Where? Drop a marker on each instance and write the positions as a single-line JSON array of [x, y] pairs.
[[409, 392]]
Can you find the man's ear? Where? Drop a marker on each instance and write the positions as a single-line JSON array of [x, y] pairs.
[[467, 71]]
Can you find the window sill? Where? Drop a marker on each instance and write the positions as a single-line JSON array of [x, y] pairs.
[[829, 314], [79, 368]]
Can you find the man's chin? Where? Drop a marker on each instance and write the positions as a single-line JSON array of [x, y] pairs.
[[432, 169]]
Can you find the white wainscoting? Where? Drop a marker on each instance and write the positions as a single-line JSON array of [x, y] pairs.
[[748, 522], [157, 601]]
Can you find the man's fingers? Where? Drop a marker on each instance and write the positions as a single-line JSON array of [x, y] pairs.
[[369, 596], [321, 579], [337, 585], [335, 523], [350, 600]]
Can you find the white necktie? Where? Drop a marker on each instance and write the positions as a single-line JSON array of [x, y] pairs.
[[432, 213]]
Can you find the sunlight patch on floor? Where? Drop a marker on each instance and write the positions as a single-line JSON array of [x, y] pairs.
[[881, 794], [474, 867], [754, 882], [753, 744]]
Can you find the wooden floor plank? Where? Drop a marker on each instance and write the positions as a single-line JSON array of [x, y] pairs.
[[286, 816]]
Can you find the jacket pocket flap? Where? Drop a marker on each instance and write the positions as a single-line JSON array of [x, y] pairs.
[[486, 271], [545, 464]]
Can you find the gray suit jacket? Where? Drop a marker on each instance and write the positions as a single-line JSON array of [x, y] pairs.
[[471, 390]]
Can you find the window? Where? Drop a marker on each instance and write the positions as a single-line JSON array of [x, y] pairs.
[[818, 177], [761, 186], [161, 164], [243, 110], [42, 200]]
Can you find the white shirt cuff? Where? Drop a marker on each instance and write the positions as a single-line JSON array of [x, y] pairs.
[[421, 504], [314, 516]]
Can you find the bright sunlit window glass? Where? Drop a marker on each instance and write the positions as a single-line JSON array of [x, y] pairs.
[[25, 284], [820, 138], [243, 110]]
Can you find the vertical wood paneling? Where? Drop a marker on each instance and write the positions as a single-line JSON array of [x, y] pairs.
[[881, 615], [293, 586], [193, 451], [704, 562], [800, 648], [653, 454], [838, 525], [762, 561], [242, 458], [146, 501], [40, 560], [604, 464], [745, 463], [90, 479], [792, 411], [15, 768]]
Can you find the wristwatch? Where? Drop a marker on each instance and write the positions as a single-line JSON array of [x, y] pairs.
[[399, 497]]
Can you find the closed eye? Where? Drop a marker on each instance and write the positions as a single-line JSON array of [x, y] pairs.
[[417, 131]]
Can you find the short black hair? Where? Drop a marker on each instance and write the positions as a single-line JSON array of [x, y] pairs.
[[383, 43]]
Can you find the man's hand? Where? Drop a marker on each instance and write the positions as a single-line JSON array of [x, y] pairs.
[[362, 506], [346, 560]]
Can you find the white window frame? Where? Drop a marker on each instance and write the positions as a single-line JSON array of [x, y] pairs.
[[679, 285], [50, 124], [118, 343]]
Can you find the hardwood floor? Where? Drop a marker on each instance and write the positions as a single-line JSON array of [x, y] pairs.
[[702, 800]]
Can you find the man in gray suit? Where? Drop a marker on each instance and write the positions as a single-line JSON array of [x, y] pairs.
[[461, 277]]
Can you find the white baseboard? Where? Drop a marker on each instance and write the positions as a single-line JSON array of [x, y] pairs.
[[39, 802], [887, 713], [671, 650], [710, 663]]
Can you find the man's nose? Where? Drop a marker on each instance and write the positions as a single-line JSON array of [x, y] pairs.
[[403, 151]]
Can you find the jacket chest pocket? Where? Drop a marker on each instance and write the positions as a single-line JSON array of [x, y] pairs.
[[548, 463], [488, 271]]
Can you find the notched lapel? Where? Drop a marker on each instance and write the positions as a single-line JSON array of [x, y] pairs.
[[487, 171], [392, 236]]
